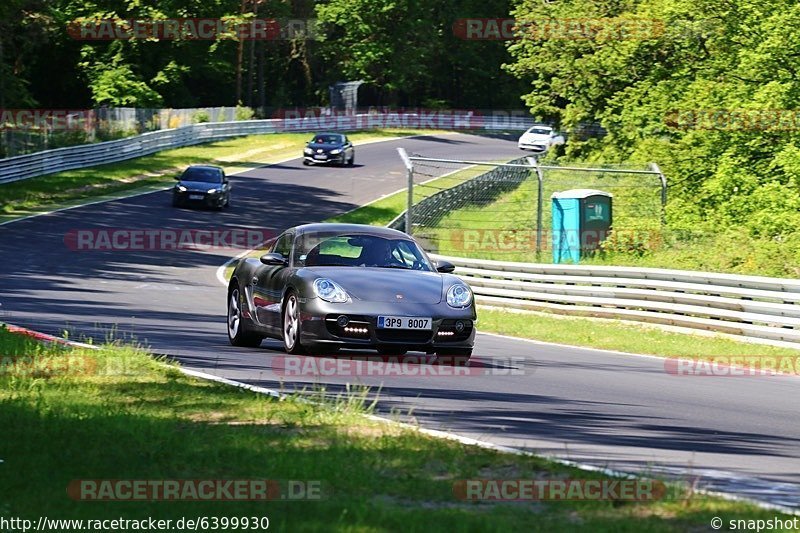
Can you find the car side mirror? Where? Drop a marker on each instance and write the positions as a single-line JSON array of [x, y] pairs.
[[445, 267], [178, 177], [274, 259]]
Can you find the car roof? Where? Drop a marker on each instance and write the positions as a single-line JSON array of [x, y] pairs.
[[329, 133], [205, 167], [378, 231]]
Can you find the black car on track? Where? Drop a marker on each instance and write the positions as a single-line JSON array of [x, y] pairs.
[[323, 287], [327, 148], [202, 185]]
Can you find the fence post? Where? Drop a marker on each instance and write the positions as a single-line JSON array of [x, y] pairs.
[[410, 198], [663, 178], [539, 205]]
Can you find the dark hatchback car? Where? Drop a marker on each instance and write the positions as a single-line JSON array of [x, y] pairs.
[[324, 287], [203, 186], [327, 148]]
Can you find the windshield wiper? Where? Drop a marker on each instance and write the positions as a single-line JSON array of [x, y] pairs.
[[395, 266]]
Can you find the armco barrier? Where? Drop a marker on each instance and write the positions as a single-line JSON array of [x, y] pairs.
[[88, 155], [752, 306]]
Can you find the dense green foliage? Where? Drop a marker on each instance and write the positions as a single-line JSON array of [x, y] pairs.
[[404, 49], [737, 180]]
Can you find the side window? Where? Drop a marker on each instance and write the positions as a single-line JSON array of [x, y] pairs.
[[283, 245]]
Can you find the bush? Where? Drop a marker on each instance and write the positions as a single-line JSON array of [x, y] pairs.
[[244, 113], [201, 117]]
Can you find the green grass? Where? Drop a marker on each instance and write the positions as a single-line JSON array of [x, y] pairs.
[[157, 170], [619, 336], [120, 414]]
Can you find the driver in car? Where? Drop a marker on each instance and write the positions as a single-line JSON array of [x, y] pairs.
[[378, 252]]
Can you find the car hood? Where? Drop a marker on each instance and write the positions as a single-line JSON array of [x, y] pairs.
[[199, 185], [324, 147], [535, 137], [385, 284]]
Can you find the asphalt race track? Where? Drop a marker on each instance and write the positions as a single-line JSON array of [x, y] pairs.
[[610, 410]]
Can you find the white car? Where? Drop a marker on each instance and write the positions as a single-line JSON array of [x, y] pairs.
[[540, 139]]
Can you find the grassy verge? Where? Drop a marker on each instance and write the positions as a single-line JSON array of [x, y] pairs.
[[157, 170], [619, 336], [116, 413]]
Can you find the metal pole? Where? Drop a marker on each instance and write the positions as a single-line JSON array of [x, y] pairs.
[[539, 206], [410, 200], [663, 178]]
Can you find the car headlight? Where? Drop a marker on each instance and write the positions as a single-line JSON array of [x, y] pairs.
[[459, 296], [330, 291], [308, 151], [214, 191], [181, 188], [336, 151]]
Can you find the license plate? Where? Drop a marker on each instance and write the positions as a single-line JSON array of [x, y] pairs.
[[195, 197], [404, 322], [320, 157]]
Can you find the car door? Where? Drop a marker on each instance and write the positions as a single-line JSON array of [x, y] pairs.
[[268, 285], [348, 149], [226, 186]]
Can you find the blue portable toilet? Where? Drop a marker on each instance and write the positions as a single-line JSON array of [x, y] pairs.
[[581, 221]]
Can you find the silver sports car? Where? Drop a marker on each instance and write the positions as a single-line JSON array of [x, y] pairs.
[[323, 287]]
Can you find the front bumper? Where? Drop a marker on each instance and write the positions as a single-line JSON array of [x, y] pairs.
[[338, 159], [319, 325], [533, 147], [198, 198]]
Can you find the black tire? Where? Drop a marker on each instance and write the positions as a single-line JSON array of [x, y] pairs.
[[291, 336], [305, 162], [238, 334], [352, 160], [228, 201]]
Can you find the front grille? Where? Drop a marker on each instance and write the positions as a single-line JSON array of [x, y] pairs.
[[403, 335]]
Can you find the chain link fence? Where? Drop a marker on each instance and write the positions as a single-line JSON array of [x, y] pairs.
[[73, 128], [502, 209]]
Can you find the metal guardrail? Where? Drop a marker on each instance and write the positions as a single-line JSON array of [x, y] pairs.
[[752, 306], [88, 155]]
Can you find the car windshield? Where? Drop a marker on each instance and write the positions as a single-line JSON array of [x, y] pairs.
[[327, 139], [359, 250], [540, 131], [206, 175]]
